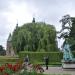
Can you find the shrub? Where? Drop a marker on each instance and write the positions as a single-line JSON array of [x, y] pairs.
[[6, 59], [8, 71], [38, 57]]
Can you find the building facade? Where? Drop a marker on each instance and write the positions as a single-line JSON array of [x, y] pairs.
[[9, 49]]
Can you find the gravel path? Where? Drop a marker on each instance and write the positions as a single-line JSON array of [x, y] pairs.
[[59, 70]]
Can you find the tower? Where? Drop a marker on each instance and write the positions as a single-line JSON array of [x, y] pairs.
[[17, 25], [9, 50], [33, 20]]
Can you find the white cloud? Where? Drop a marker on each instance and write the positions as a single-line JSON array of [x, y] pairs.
[[49, 11], [8, 19]]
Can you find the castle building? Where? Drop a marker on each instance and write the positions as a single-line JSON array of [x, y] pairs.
[[9, 49]]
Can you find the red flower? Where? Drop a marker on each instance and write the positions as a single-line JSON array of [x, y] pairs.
[[18, 65], [2, 68], [15, 68], [9, 66], [6, 74]]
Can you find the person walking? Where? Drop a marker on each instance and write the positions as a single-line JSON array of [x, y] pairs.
[[46, 62]]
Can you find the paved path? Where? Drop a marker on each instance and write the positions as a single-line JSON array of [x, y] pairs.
[[59, 70]]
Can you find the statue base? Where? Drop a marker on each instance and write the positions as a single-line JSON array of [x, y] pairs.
[[68, 64]]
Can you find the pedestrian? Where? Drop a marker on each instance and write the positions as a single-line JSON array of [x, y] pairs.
[[26, 60], [46, 62]]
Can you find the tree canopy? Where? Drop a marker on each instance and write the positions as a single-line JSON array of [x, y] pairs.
[[2, 50], [70, 34], [33, 36]]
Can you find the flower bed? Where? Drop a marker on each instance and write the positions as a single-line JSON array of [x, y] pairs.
[[9, 69]]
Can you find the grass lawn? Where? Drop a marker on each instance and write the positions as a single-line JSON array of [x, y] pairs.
[[13, 60]]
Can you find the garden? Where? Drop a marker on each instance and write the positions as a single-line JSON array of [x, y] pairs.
[[14, 65], [37, 40], [17, 68]]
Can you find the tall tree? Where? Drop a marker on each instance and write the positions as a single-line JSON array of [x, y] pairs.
[[72, 34], [65, 20], [71, 30], [35, 37]]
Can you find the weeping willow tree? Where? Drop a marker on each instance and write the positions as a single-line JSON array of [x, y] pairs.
[[34, 37]]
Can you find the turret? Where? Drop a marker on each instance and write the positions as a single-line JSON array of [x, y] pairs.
[[33, 20], [17, 25], [9, 38]]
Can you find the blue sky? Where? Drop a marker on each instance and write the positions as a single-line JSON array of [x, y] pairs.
[[50, 11]]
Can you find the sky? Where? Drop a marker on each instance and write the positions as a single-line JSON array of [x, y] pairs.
[[23, 11]]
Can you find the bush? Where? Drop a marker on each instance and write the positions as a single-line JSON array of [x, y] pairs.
[[7, 59], [8, 71], [38, 57]]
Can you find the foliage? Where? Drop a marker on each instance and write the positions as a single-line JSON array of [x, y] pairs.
[[69, 35], [9, 69], [38, 57], [34, 37], [2, 50], [1, 47], [28, 73], [72, 34], [6, 59], [65, 20]]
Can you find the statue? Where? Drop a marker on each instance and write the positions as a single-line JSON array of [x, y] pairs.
[[67, 55], [68, 60]]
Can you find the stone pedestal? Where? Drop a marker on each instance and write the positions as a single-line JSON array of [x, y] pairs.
[[68, 64]]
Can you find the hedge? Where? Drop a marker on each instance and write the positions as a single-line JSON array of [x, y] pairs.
[[8, 59], [38, 57]]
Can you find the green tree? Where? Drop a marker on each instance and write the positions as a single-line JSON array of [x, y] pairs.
[[2, 50], [66, 28], [71, 28], [34, 37], [72, 34]]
